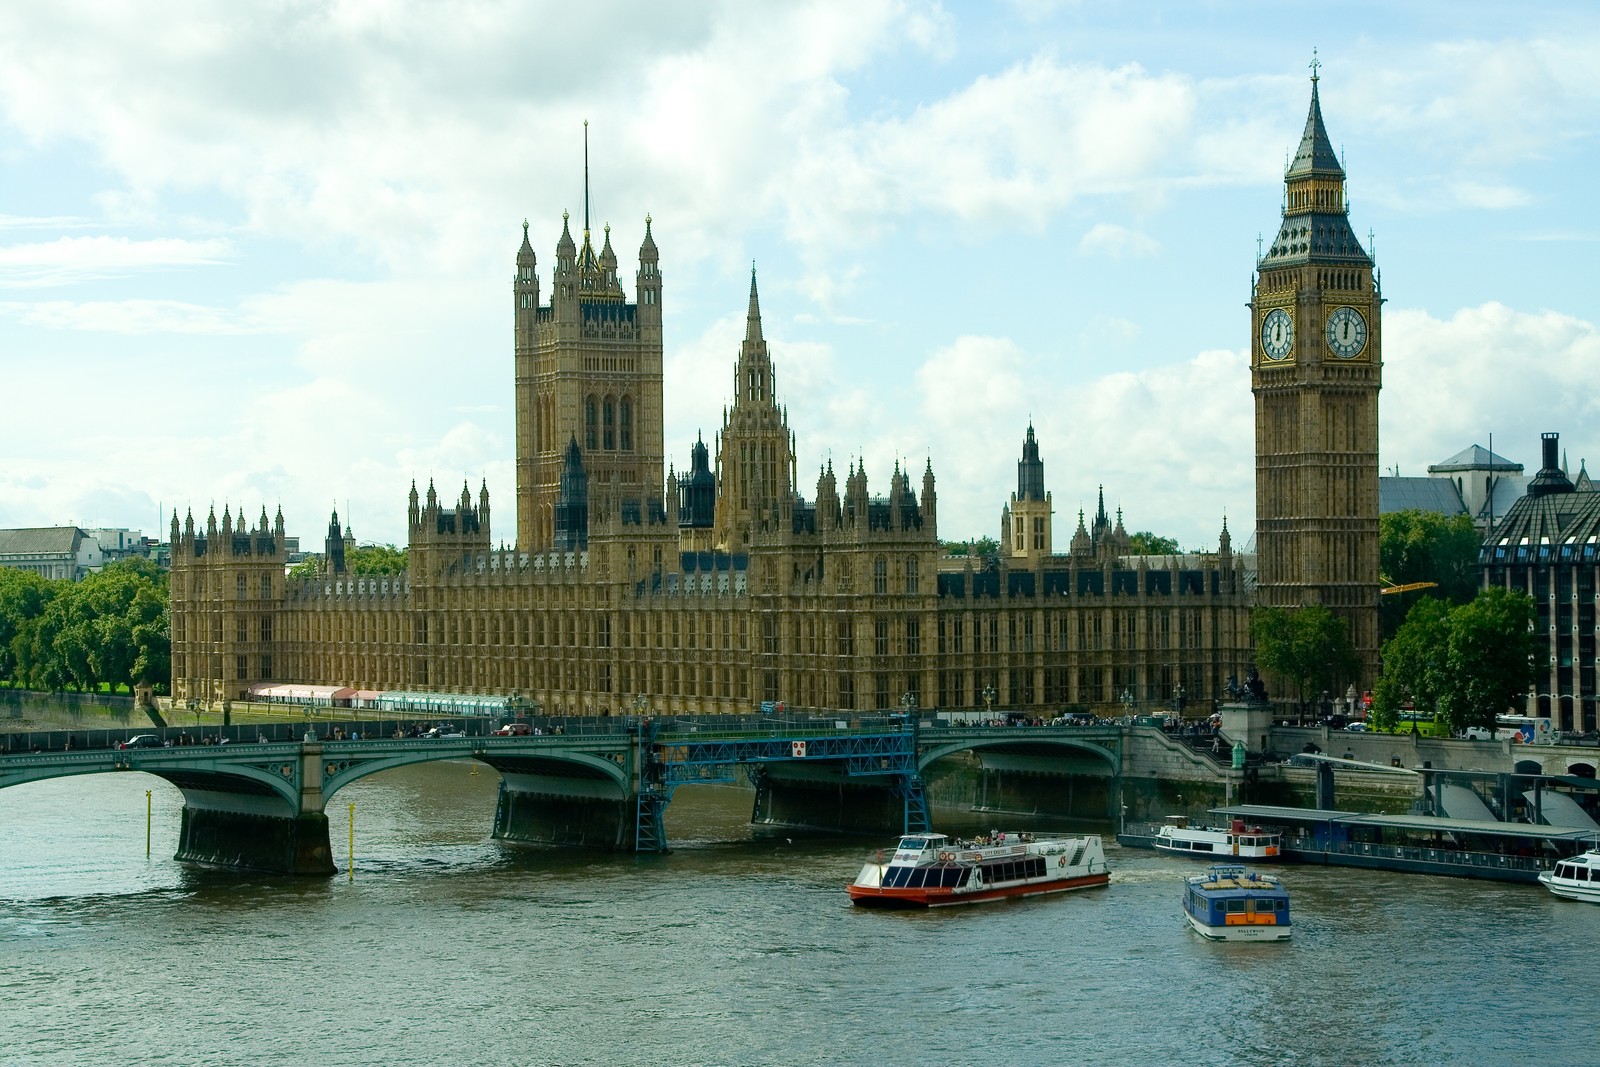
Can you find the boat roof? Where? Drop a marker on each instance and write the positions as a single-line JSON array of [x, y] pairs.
[[1237, 879], [1274, 813]]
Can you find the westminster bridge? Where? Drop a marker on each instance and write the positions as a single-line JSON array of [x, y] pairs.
[[261, 804]]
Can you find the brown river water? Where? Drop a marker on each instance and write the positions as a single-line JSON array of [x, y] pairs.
[[451, 948]]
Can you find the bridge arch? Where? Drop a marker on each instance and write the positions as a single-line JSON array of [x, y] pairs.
[[1112, 761], [277, 779], [349, 765]]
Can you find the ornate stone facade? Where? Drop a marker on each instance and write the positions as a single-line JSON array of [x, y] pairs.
[[1316, 368], [629, 590]]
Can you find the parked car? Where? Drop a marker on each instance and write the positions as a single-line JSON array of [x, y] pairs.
[[1355, 728], [143, 741]]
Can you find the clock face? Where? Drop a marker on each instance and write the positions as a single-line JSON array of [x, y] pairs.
[[1277, 334], [1347, 332]]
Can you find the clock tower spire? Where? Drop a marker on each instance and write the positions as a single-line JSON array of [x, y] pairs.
[[1315, 370]]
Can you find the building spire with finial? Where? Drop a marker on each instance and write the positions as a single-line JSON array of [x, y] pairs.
[[585, 178]]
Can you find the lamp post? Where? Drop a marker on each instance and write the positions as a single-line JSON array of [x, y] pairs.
[[988, 701], [1127, 701]]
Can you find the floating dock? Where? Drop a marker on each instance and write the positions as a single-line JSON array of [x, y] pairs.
[[1416, 844]]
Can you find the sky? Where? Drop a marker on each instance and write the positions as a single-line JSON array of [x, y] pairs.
[[262, 255]]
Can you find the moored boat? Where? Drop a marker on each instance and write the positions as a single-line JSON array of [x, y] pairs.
[[933, 870], [1237, 841], [1575, 879], [1229, 903]]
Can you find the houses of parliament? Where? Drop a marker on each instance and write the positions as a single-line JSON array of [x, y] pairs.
[[714, 586]]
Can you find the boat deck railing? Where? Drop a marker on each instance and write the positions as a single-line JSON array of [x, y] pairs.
[[1452, 856]]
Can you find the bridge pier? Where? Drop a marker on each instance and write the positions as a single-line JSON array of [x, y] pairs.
[[816, 797], [540, 809], [254, 841]]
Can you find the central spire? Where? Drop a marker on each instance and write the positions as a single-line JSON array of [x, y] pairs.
[[1315, 155], [586, 179], [752, 318]]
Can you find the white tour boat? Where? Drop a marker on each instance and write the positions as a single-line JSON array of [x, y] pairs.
[[932, 870], [1230, 904], [1237, 841], [1575, 879]]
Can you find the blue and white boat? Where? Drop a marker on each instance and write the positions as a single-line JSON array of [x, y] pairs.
[[1228, 903]]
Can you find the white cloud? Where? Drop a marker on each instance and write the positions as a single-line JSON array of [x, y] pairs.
[[128, 316], [1449, 383], [1118, 242], [1171, 443], [1487, 102], [1015, 147], [73, 259], [1492, 197]]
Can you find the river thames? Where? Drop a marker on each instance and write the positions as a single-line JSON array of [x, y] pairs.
[[451, 948]]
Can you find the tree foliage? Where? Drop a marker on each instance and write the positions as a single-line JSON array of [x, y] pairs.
[[1145, 543], [1414, 667], [977, 547], [376, 559], [1465, 663], [1308, 647], [111, 628], [1426, 546], [363, 560]]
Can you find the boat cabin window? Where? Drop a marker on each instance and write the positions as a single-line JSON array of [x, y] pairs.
[[913, 844], [1235, 905]]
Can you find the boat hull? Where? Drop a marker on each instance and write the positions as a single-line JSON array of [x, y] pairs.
[[1218, 845], [881, 897], [1587, 893], [1238, 933]]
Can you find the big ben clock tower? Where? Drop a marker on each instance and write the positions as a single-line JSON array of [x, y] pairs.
[[1315, 370]]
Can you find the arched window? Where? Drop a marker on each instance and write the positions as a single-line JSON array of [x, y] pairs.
[[590, 418], [625, 424], [610, 412], [880, 576], [913, 576]]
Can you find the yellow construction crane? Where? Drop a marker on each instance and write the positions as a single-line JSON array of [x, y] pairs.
[[1408, 587]]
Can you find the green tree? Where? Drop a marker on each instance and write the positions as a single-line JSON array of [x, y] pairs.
[[362, 560], [1307, 647], [23, 596], [1466, 663], [977, 547], [376, 559], [94, 631], [1414, 667], [1145, 543], [1490, 662], [1426, 546]]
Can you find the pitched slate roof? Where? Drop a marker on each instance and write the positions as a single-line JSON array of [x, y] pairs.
[[1420, 494], [41, 541], [1474, 458]]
